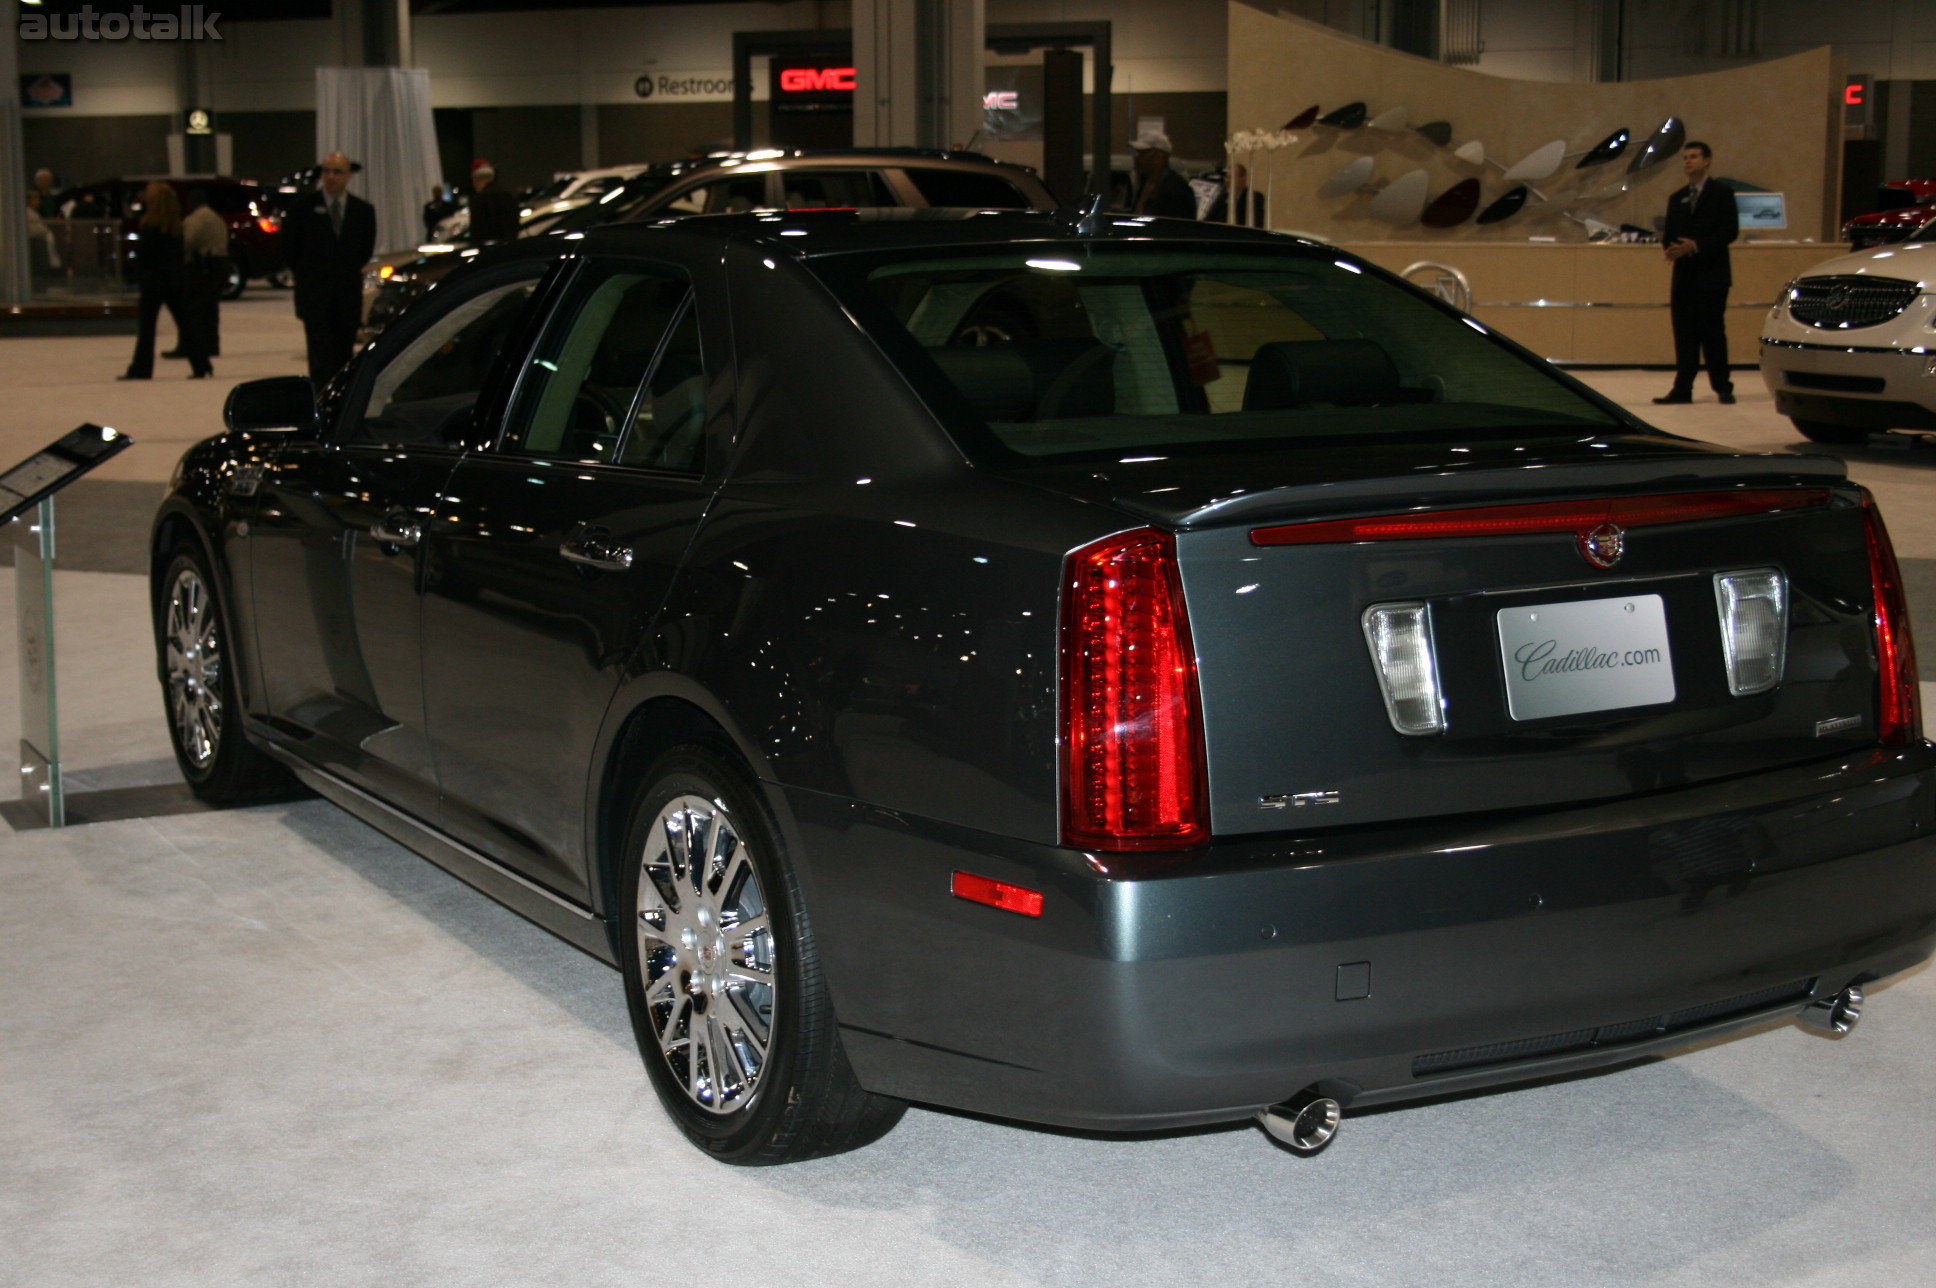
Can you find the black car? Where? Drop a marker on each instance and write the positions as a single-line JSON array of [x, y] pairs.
[[252, 214], [1238, 684], [737, 182]]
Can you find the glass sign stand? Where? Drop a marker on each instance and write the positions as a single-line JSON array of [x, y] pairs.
[[27, 503]]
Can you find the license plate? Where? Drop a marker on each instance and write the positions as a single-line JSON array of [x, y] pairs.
[[1589, 655]]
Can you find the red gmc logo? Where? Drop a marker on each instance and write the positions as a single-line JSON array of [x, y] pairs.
[[799, 80]]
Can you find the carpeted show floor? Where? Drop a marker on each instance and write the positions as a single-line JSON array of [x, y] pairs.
[[270, 1047]]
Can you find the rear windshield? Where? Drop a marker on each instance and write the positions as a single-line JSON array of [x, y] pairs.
[[1067, 348]]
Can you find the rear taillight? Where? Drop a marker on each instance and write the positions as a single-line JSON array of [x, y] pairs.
[[268, 224], [1132, 735], [1899, 716]]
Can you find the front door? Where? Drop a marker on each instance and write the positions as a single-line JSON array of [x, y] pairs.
[[338, 546]]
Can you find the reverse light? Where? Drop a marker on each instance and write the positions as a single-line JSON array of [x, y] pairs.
[[1899, 716], [1754, 628], [996, 894], [1400, 638], [1132, 732]]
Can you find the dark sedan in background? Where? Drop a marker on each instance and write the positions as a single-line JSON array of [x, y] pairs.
[[251, 212], [1100, 672]]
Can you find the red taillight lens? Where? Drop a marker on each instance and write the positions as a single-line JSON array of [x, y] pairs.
[[1132, 736], [268, 225], [1899, 708]]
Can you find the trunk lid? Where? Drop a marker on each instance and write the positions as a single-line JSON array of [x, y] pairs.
[[1296, 725]]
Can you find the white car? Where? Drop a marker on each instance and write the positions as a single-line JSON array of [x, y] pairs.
[[1849, 349]]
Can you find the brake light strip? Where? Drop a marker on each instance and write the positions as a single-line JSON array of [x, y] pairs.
[[1541, 516]]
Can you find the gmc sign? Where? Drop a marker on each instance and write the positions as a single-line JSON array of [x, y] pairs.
[[808, 80]]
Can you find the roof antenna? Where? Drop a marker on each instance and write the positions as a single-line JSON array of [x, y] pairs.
[[1084, 220]]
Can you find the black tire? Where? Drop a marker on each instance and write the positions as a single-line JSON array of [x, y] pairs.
[[1821, 432], [238, 277], [199, 693], [732, 951]]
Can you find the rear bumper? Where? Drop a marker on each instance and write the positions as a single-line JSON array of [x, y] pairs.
[[1499, 949]]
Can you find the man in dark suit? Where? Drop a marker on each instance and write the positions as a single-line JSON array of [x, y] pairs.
[[1701, 221], [327, 237], [494, 211]]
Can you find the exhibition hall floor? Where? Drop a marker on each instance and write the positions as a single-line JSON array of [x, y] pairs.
[[269, 1046]]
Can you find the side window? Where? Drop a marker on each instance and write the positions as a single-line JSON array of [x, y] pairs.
[[426, 392], [825, 189], [961, 188], [670, 418], [721, 197], [587, 384]]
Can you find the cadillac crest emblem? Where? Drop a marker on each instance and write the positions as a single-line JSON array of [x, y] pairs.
[[1603, 546]]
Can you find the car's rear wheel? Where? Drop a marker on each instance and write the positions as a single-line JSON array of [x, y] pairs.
[[722, 978], [1823, 432], [198, 686]]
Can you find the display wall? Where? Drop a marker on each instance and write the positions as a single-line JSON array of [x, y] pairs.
[[1776, 125]]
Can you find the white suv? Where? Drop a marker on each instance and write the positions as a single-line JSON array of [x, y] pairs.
[[1850, 347]]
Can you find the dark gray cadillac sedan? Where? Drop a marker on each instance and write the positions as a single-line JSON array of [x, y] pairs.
[[1101, 672]]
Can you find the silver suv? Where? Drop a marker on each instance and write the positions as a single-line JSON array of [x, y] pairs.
[[739, 182]]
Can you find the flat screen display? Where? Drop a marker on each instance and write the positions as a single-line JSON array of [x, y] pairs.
[[55, 466], [1761, 211]]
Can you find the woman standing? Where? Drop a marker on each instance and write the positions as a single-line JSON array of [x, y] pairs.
[[162, 275]]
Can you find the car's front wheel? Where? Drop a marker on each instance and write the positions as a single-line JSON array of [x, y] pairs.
[[198, 685], [1822, 432], [722, 978]]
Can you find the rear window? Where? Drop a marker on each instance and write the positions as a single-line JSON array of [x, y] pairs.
[[963, 188], [1071, 348]]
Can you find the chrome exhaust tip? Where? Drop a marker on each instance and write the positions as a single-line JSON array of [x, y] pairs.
[[1305, 1123], [1835, 1015]]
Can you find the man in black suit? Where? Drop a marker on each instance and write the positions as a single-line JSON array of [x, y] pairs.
[[327, 237], [1701, 221]]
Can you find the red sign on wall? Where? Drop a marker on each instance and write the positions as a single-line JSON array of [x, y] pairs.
[[821, 82], [803, 80]]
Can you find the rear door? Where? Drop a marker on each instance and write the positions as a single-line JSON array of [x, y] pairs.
[[338, 542], [553, 549]]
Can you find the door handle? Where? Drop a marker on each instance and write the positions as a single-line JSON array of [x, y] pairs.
[[396, 529], [592, 549]]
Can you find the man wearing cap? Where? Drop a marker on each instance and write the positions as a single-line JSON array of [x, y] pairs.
[[328, 236], [494, 211], [1159, 190]]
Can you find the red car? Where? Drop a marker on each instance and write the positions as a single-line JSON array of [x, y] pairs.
[[1881, 227], [255, 228]]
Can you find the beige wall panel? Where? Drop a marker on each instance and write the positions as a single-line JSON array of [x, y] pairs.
[[1547, 332], [1766, 121], [1632, 280]]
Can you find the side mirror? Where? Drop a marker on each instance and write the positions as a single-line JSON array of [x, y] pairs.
[[285, 402]]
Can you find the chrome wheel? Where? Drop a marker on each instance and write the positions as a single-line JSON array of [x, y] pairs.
[[705, 954], [193, 663]]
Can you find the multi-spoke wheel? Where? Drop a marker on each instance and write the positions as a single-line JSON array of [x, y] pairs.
[[191, 663], [722, 979], [204, 714], [706, 947]]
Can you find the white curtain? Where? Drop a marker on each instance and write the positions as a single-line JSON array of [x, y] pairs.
[[380, 117]]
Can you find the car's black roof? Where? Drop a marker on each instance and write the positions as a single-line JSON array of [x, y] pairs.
[[803, 233]]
